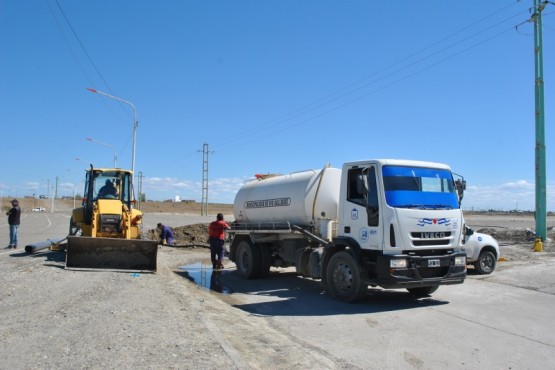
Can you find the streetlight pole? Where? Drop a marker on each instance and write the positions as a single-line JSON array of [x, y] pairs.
[[134, 125], [108, 145], [84, 161]]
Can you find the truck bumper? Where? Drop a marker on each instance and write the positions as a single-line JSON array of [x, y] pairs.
[[419, 271]]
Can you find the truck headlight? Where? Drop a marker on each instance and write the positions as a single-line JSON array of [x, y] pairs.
[[398, 263], [460, 261]]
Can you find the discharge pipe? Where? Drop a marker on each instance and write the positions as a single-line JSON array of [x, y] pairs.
[[31, 248]]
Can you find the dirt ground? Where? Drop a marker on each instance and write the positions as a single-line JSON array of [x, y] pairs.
[[184, 207], [62, 319], [515, 236], [27, 204], [57, 318]]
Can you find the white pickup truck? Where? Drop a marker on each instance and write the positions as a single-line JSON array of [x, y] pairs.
[[482, 251]]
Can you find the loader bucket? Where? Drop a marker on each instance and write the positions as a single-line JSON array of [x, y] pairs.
[[111, 254]]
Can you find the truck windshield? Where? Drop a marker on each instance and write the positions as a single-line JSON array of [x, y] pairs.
[[417, 187]]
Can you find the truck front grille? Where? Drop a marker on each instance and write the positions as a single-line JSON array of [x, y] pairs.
[[423, 239], [423, 243]]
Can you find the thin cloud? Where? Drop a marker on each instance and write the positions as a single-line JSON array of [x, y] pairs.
[[516, 195]]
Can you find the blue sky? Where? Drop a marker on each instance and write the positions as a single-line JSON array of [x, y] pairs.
[[273, 86]]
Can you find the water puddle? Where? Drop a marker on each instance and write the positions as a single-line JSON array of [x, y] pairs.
[[203, 275]]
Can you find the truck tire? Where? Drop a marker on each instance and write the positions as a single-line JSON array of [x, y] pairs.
[[422, 292], [247, 260], [343, 281], [265, 259], [485, 263], [305, 259], [314, 264]]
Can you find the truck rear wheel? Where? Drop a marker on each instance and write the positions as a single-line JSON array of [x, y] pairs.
[[343, 281], [247, 260]]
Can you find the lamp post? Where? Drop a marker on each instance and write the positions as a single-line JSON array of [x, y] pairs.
[[83, 160], [108, 145], [134, 124]]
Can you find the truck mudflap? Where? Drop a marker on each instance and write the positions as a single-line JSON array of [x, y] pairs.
[[421, 271], [111, 254]]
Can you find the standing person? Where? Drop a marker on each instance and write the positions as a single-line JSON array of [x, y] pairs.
[[166, 235], [216, 232], [14, 217]]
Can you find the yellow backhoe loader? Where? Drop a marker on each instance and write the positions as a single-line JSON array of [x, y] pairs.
[[104, 233]]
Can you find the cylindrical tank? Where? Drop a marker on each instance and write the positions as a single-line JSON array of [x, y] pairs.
[[298, 198]]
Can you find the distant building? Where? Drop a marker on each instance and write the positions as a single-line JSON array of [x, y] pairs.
[[177, 198]]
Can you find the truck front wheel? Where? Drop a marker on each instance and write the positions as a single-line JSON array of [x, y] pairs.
[[247, 260], [343, 281]]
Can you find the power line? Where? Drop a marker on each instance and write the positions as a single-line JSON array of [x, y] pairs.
[[356, 86], [311, 107], [72, 52], [82, 46], [278, 125], [70, 25], [381, 88], [69, 45]]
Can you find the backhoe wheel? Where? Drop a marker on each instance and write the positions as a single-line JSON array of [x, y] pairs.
[[343, 280], [422, 292], [485, 263], [74, 229], [247, 260]]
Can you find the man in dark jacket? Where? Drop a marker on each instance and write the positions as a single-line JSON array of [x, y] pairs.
[[14, 217]]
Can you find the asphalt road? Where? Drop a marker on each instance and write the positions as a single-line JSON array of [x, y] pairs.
[[504, 320]]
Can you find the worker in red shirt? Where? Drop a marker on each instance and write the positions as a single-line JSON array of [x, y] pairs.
[[216, 232]]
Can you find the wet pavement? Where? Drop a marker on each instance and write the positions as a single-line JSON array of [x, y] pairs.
[[202, 274]]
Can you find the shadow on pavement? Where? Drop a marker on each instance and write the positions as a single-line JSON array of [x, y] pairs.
[[286, 294], [49, 256]]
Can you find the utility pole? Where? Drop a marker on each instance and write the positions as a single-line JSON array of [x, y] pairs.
[[204, 203], [56, 191], [140, 188], [541, 199]]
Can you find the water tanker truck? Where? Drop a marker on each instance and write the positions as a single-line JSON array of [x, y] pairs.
[[382, 223]]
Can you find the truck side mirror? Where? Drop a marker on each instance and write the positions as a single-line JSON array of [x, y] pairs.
[[365, 179], [461, 187], [468, 231]]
